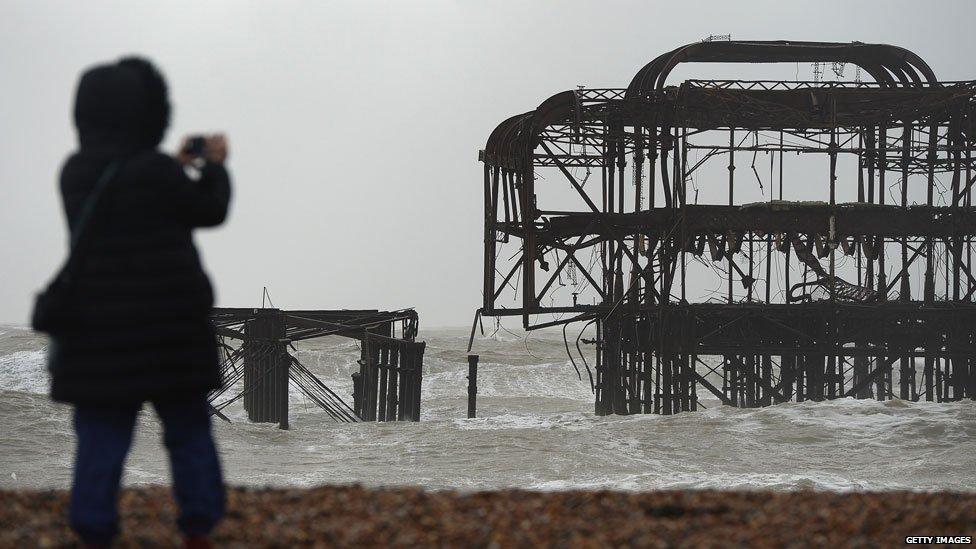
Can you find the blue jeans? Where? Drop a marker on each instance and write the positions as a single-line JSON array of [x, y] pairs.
[[104, 436]]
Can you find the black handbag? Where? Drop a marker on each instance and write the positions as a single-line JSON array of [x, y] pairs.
[[54, 307]]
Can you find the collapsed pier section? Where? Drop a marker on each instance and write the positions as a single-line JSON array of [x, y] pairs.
[[254, 346]]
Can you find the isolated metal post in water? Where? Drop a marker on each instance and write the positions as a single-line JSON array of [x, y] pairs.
[[472, 385]]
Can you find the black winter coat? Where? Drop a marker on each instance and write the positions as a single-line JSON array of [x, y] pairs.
[[142, 297]]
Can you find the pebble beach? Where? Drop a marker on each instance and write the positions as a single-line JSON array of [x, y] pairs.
[[355, 516]]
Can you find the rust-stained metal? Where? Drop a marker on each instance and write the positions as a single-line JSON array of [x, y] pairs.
[[847, 317]]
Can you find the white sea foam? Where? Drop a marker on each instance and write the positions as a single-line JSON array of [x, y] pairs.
[[24, 371], [559, 422]]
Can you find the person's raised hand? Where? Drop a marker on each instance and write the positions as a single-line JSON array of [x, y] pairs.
[[215, 149]]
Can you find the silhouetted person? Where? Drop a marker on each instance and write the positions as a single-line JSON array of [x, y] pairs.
[[142, 333]]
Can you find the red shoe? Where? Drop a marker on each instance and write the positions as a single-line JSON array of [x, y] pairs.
[[197, 542]]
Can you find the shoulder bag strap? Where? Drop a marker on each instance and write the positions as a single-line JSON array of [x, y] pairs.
[[81, 237]]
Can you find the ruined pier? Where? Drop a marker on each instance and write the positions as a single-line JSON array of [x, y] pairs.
[[757, 241]]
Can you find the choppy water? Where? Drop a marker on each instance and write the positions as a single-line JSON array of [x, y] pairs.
[[536, 430]]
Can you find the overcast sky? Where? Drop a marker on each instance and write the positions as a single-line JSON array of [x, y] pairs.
[[355, 126]]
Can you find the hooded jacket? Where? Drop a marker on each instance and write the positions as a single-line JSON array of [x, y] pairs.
[[144, 300]]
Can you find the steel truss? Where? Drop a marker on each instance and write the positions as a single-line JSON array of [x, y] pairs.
[[851, 316]]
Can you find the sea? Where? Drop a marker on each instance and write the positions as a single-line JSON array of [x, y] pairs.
[[535, 430]]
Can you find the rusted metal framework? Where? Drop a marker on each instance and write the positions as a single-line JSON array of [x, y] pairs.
[[254, 348], [839, 264]]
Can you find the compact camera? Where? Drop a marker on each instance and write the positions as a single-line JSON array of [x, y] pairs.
[[195, 146]]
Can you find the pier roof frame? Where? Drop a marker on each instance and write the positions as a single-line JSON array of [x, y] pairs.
[[905, 75]]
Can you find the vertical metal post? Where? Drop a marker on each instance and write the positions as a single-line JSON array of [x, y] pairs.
[[472, 386], [731, 200], [357, 393]]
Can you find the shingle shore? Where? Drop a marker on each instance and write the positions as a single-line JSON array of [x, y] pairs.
[[331, 516]]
